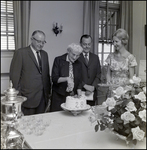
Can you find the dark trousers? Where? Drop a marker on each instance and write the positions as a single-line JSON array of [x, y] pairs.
[[32, 111], [56, 101], [91, 103]]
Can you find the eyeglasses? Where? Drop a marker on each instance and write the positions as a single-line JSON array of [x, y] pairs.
[[38, 41]]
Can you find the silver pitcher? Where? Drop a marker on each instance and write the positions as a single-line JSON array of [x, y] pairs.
[[11, 138]]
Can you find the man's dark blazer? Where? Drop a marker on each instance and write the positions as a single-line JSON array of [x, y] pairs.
[[27, 78], [91, 73], [61, 69]]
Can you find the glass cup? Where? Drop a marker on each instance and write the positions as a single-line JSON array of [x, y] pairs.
[[28, 131], [38, 131], [46, 122]]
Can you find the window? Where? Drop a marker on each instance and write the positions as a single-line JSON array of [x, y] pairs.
[[7, 26], [109, 21]]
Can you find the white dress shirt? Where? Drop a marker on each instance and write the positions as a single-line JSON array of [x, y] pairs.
[[35, 54], [87, 55]]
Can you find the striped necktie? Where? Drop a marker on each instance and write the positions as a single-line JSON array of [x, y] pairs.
[[86, 59], [71, 76], [39, 61], [71, 70]]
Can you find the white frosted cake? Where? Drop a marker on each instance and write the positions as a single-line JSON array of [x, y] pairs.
[[75, 103]]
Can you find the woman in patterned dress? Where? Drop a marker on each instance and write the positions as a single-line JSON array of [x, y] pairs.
[[121, 63]]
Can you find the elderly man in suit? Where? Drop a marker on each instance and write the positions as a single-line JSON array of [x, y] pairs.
[[66, 76], [30, 75], [91, 69]]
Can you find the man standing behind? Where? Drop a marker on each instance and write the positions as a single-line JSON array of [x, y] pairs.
[[30, 75], [91, 69]]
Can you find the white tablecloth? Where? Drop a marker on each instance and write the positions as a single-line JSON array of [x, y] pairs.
[[74, 132]]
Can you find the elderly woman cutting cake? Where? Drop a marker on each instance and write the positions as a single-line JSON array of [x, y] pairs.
[[66, 76]]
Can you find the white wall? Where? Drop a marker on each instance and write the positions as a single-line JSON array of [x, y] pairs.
[[139, 22], [69, 13]]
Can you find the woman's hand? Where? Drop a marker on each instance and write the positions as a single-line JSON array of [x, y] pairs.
[[69, 80], [79, 92], [89, 88], [87, 93]]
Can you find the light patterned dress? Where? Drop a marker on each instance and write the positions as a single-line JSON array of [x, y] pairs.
[[120, 69]]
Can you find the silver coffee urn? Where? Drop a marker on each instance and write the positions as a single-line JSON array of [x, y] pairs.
[[11, 112]]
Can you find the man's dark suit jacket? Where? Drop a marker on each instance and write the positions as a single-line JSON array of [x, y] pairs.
[[91, 73], [27, 78], [61, 69]]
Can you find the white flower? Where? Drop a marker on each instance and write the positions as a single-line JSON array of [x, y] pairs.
[[135, 80], [137, 133], [110, 120], [109, 113], [99, 110], [127, 117], [144, 89], [143, 105], [142, 115], [127, 96], [104, 104], [128, 87], [131, 107], [119, 92], [110, 103], [92, 118], [141, 96]]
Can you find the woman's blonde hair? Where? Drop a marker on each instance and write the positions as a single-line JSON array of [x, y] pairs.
[[122, 35]]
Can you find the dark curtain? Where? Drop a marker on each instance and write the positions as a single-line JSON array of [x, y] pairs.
[[21, 23]]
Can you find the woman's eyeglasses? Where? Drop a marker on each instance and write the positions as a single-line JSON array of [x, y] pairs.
[[38, 41]]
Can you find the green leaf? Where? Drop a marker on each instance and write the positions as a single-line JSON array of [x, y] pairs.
[[125, 102], [101, 121], [110, 125], [98, 122], [134, 141], [113, 110], [96, 128], [127, 131], [122, 110], [120, 126], [118, 120], [116, 126], [127, 125], [137, 122], [102, 127], [130, 136]]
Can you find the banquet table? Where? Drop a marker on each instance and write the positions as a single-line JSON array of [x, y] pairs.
[[67, 131]]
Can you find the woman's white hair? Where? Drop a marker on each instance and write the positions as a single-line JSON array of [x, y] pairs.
[[75, 47]]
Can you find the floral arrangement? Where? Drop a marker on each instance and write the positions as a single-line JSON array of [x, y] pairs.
[[124, 113]]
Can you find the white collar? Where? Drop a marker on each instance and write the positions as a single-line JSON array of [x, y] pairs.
[[85, 53], [33, 49], [67, 59]]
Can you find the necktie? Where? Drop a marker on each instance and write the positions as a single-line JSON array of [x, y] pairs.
[[71, 70], [86, 59], [39, 61], [69, 89]]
